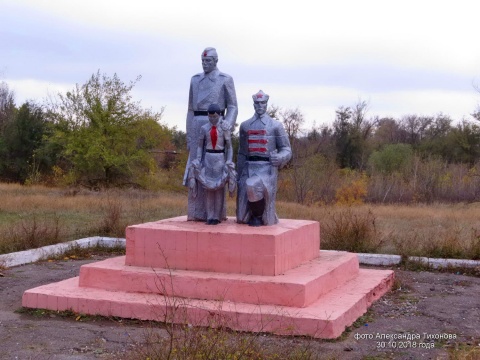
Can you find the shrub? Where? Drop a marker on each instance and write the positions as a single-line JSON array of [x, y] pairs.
[[392, 158], [352, 193], [30, 233], [448, 246], [474, 246], [349, 231]]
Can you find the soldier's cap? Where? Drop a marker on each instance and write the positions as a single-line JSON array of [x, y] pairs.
[[260, 96], [214, 108], [210, 51]]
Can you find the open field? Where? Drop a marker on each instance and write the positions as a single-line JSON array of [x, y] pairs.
[[420, 302], [35, 216]]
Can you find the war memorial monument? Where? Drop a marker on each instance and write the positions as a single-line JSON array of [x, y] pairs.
[[255, 272]]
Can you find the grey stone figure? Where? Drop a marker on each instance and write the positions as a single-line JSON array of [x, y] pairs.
[[209, 87], [264, 148], [213, 167]]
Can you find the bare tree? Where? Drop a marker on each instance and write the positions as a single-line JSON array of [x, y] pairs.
[[415, 126], [7, 106], [388, 131], [293, 120], [476, 114]]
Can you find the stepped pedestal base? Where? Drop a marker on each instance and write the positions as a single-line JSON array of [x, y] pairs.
[[319, 297]]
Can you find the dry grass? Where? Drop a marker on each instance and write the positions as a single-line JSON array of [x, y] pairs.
[[36, 215], [438, 230], [185, 342], [465, 352]]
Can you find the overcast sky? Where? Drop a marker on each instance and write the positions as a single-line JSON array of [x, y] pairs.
[[402, 57]]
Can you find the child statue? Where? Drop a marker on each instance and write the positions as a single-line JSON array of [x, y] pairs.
[[213, 167]]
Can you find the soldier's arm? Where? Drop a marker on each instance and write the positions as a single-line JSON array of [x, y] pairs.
[[189, 125], [230, 103], [284, 150], [228, 145], [242, 150], [200, 146]]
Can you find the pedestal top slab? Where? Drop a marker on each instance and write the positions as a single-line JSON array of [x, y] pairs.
[[228, 247], [225, 227]]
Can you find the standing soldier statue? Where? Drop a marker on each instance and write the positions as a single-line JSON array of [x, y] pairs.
[[264, 147], [209, 87]]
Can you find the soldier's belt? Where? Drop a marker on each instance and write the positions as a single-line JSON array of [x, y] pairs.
[[205, 113], [214, 151], [258, 158]]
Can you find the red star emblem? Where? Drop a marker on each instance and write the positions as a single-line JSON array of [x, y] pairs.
[[205, 53], [259, 96]]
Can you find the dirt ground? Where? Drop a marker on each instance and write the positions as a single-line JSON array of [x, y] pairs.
[[426, 315]]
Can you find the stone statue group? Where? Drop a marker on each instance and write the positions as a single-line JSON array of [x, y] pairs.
[[264, 148]]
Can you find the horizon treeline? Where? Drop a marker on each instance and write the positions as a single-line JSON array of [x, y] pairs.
[[97, 136], [362, 158]]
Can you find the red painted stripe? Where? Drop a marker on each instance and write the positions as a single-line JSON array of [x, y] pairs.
[[263, 150], [257, 141], [257, 132]]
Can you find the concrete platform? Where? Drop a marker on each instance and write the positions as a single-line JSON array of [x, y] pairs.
[[318, 293], [326, 318]]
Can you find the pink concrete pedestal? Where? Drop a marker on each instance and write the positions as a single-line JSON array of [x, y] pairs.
[[229, 247], [271, 279]]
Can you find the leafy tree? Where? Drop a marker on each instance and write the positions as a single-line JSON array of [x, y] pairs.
[[437, 139], [392, 158], [23, 137], [179, 139], [465, 143], [7, 106], [351, 132], [7, 114], [341, 134], [105, 137]]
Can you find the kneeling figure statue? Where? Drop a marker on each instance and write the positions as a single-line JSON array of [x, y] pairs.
[[264, 148]]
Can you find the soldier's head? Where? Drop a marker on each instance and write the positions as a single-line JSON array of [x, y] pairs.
[[214, 114], [260, 102], [209, 59]]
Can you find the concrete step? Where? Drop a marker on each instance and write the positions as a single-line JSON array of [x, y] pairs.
[[327, 317], [297, 287]]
